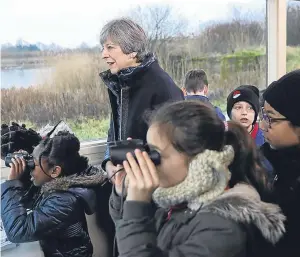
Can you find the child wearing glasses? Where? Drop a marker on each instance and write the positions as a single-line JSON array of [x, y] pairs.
[[280, 122], [243, 107]]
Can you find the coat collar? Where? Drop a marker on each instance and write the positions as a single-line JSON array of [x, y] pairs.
[[112, 81]]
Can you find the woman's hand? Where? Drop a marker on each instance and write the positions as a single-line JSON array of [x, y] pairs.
[[111, 169], [142, 177], [17, 168], [119, 177]]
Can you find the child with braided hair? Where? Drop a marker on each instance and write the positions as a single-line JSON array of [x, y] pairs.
[[16, 137], [57, 218]]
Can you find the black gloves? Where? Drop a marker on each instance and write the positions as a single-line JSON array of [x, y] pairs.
[[16, 137]]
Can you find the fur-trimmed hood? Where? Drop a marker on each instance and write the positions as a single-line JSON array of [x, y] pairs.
[[204, 189], [79, 184], [89, 178], [242, 204]]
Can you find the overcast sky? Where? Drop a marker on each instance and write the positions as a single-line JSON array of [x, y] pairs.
[[70, 22]]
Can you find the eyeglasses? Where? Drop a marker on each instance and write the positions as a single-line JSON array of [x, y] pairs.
[[266, 118]]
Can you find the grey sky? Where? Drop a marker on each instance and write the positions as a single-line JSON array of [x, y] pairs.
[[69, 23]]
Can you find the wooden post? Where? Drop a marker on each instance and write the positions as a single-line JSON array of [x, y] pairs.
[[276, 47]]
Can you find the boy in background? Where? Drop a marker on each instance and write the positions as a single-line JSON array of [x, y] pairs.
[[196, 88]]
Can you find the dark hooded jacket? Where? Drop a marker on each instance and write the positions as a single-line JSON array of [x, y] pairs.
[[57, 218], [235, 224], [133, 93], [286, 170]]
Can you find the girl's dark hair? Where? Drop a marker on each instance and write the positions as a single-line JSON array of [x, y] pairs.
[[63, 150], [192, 127]]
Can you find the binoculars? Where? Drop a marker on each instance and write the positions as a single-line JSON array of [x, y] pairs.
[[28, 159], [119, 149]]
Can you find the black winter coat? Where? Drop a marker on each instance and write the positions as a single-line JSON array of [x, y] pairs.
[[134, 92], [57, 218], [236, 224], [286, 168]]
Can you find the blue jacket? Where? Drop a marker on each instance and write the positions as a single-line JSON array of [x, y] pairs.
[[259, 138], [205, 100]]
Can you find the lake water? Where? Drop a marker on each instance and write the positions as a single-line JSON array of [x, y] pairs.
[[24, 77]]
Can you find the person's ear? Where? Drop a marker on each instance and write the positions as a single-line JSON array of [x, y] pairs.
[[205, 90], [56, 172]]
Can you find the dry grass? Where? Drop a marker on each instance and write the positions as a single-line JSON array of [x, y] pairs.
[[76, 72], [76, 93]]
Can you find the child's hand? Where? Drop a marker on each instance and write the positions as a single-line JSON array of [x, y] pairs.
[[17, 168], [142, 177]]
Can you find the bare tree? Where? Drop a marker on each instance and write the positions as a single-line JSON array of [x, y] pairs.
[[248, 28], [161, 24], [244, 29], [293, 25]]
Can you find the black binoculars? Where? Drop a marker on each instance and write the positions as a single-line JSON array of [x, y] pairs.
[[27, 157], [119, 149]]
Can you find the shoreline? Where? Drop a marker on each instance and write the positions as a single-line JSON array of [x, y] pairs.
[[26, 66], [23, 63]]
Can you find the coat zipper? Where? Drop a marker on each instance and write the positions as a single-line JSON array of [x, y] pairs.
[[275, 179], [121, 115]]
